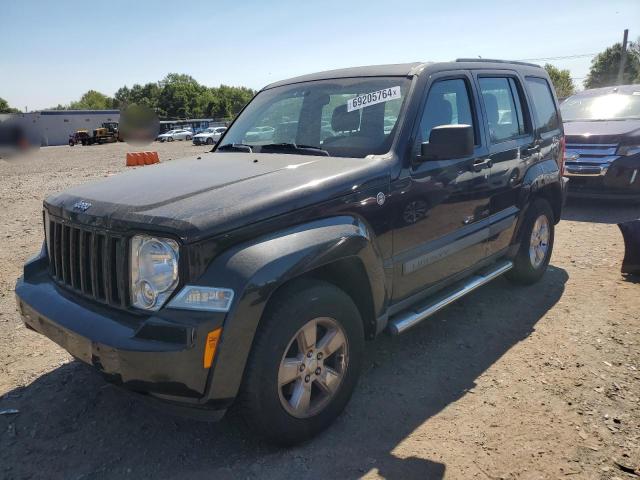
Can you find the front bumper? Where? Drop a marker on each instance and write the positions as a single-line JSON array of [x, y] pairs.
[[158, 355], [201, 141], [619, 180]]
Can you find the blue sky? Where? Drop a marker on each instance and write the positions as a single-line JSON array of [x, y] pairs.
[[53, 51]]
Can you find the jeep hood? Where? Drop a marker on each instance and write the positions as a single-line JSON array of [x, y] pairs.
[[199, 197]]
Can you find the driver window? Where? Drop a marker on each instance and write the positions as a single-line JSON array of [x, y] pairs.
[[447, 104]]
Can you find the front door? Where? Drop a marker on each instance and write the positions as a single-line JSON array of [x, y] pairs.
[[440, 206]]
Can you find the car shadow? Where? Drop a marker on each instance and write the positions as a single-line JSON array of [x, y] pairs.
[[599, 211], [71, 424]]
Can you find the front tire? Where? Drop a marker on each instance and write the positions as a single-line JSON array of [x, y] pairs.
[[188, 137], [536, 244], [209, 141], [170, 139], [305, 362]]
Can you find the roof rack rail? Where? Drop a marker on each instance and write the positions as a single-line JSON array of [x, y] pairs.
[[492, 60]]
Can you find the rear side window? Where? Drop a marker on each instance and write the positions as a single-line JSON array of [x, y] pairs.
[[502, 105], [544, 108], [447, 104]]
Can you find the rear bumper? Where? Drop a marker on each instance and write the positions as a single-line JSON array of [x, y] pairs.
[[159, 356]]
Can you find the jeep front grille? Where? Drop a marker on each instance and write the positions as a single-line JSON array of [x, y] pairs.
[[90, 262]]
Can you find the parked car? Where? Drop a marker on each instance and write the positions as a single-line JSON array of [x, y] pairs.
[[209, 136], [253, 275], [177, 134], [602, 128], [260, 134]]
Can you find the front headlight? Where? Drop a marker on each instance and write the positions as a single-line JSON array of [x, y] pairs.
[[154, 270], [628, 150]]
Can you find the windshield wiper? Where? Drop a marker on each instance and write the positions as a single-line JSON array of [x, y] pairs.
[[235, 147], [303, 149]]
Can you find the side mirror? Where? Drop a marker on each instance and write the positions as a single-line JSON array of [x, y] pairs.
[[448, 142]]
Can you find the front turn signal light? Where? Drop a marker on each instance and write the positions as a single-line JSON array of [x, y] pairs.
[[210, 346]]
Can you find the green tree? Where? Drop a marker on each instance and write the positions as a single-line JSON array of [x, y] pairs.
[[175, 96], [605, 66], [92, 100], [5, 108], [561, 80], [228, 101], [179, 96], [147, 95]]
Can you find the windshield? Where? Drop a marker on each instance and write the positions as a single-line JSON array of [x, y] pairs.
[[350, 117], [609, 106]]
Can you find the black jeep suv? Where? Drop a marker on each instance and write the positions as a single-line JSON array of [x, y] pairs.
[[251, 276]]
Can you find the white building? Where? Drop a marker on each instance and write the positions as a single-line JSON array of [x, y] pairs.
[[53, 127]]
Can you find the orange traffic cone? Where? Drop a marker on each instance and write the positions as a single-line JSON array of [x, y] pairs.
[[135, 159]]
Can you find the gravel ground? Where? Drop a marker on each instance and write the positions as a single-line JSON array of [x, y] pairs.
[[511, 382]]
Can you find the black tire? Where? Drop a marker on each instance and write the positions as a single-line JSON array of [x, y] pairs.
[[170, 139], [209, 141], [524, 271], [188, 137], [259, 402]]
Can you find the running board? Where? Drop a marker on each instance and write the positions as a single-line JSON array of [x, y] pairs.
[[405, 320]]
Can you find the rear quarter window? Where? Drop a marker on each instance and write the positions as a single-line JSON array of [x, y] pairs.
[[543, 106]]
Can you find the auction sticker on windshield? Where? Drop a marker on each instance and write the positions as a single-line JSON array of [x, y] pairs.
[[367, 99]]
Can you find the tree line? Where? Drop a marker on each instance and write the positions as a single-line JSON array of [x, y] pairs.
[[603, 71], [176, 96], [181, 96]]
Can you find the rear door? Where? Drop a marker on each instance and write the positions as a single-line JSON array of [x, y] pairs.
[[512, 148], [440, 206], [548, 129]]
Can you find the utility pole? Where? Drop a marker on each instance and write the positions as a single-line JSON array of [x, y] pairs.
[[623, 57]]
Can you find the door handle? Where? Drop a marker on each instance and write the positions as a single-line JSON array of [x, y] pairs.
[[531, 150], [480, 163]]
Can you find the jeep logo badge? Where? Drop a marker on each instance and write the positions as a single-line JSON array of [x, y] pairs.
[[380, 198], [81, 205]]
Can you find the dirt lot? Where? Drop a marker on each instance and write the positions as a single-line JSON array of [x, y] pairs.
[[511, 382]]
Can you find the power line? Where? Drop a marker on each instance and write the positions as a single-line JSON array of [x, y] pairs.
[[565, 57]]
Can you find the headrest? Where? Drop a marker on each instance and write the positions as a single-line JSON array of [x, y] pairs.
[[343, 121], [442, 111], [491, 104]]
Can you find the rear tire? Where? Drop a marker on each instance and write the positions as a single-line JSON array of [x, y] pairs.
[[536, 244], [188, 137], [305, 362], [209, 141]]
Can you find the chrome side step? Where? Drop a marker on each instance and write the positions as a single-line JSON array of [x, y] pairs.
[[405, 320]]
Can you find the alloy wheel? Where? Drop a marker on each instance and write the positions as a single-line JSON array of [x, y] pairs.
[[539, 243], [313, 367]]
